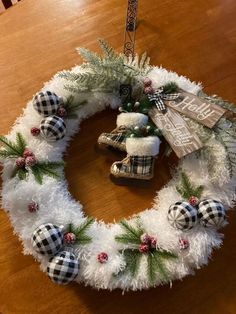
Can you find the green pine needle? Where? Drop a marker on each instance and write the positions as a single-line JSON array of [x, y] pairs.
[[187, 189], [130, 235], [20, 143], [80, 231], [46, 168], [71, 107], [22, 174], [108, 51], [170, 88], [132, 260], [83, 239], [11, 147], [105, 73], [127, 239], [37, 174]]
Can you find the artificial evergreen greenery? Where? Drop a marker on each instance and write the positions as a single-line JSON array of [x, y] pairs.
[[11, 149], [143, 104], [148, 130], [170, 88], [71, 107], [187, 189], [105, 73], [228, 138], [16, 149], [226, 135], [156, 257], [218, 101], [131, 234], [80, 231], [41, 169]]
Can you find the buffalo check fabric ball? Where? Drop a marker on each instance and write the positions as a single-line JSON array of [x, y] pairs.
[[47, 239], [52, 128], [182, 215], [63, 268], [47, 103], [211, 213]]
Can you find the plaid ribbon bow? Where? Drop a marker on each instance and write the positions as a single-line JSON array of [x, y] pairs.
[[159, 96]]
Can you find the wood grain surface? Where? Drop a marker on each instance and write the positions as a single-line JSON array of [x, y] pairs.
[[37, 38]]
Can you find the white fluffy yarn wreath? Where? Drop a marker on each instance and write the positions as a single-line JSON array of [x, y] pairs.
[[58, 207]]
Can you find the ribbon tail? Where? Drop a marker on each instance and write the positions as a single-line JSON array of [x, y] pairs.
[[170, 96], [160, 104]]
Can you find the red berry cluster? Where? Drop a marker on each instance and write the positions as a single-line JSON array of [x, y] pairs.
[[183, 244], [193, 201], [33, 207], [102, 257], [35, 131], [61, 112], [69, 238], [27, 160], [148, 86], [147, 243]]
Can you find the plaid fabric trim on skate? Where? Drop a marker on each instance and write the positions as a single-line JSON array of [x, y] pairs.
[[141, 164]]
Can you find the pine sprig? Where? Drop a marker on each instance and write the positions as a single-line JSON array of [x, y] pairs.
[[156, 266], [170, 88], [132, 255], [80, 231], [72, 107], [12, 149], [187, 189], [130, 235], [46, 168], [132, 259], [108, 51], [105, 73], [20, 143]]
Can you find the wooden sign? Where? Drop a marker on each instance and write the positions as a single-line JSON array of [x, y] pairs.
[[181, 138], [197, 109]]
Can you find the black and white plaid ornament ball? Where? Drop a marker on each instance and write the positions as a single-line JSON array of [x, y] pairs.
[[182, 215], [52, 128], [63, 268], [211, 213], [47, 103], [47, 239]]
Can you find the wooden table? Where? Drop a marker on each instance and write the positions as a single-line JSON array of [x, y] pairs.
[[37, 39]]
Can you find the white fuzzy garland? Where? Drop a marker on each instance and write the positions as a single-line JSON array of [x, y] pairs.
[[60, 208]]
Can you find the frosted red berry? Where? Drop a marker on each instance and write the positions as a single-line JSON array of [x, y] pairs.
[[143, 248], [153, 243], [102, 257], [147, 81], [148, 90], [145, 238], [20, 162], [69, 238], [33, 207], [193, 201], [35, 131], [61, 112], [183, 244], [30, 161], [27, 153]]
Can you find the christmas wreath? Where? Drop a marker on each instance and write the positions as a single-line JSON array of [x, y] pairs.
[[160, 244]]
